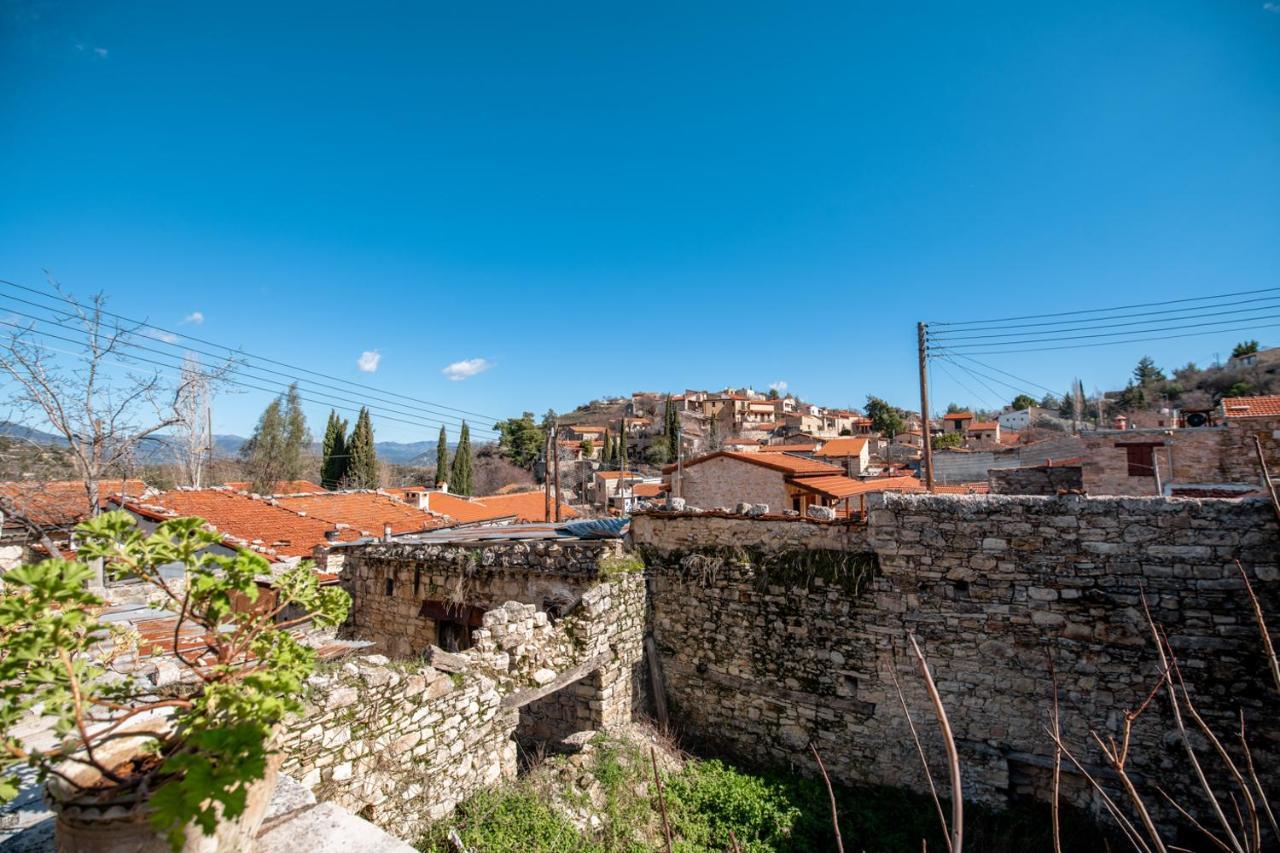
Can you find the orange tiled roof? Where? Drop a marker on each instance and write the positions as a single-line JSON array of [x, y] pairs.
[[614, 475], [795, 466], [983, 426], [648, 490], [843, 487], [246, 521], [367, 512], [463, 509], [61, 502], [525, 506], [1008, 436], [958, 416], [284, 487], [847, 446], [1251, 407], [786, 448]]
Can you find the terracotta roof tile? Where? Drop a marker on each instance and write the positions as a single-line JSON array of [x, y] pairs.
[[958, 416], [284, 487], [844, 487], [62, 502], [1251, 407], [526, 506], [841, 447], [367, 512]]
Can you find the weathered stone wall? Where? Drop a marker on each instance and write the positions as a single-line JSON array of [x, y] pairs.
[[724, 481], [668, 531], [1184, 456], [400, 742], [1240, 455], [764, 652], [1041, 480]]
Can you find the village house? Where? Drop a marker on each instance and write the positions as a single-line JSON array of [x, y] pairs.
[[853, 453], [1020, 419], [606, 484]]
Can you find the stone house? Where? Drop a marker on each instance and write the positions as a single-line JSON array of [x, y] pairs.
[[853, 453], [54, 507], [782, 481]]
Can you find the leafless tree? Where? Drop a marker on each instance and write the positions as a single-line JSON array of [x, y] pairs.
[[102, 414], [194, 429]]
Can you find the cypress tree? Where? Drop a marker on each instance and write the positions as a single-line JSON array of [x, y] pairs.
[[622, 445], [460, 476], [333, 467], [606, 453], [672, 430], [713, 436], [442, 457], [362, 458]]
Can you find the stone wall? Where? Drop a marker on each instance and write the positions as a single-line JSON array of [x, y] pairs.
[[400, 742], [1183, 456], [724, 481], [1040, 480], [764, 651]]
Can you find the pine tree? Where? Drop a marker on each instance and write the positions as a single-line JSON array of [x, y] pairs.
[[460, 476], [274, 452], [333, 465], [262, 452], [362, 458], [442, 457]]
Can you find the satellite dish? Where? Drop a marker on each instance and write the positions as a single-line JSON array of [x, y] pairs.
[[1197, 419]]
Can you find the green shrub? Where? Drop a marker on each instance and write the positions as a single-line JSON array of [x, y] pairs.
[[709, 798], [510, 820]]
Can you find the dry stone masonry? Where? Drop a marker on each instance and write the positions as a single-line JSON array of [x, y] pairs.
[[400, 741], [773, 635]]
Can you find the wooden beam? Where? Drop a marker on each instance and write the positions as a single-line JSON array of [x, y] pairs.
[[523, 697]]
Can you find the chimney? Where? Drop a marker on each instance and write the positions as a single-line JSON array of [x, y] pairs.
[[386, 531], [442, 486], [1121, 422], [331, 535]]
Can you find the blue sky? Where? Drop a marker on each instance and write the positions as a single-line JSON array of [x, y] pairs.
[[598, 197]]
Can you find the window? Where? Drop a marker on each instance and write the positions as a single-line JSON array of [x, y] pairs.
[[1140, 459], [391, 586]]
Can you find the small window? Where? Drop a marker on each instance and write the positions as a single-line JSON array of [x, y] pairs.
[[391, 586], [1141, 459]]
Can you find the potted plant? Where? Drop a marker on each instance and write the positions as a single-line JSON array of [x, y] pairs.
[[142, 767]]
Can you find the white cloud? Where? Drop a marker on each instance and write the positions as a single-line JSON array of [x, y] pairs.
[[466, 368], [1271, 7], [161, 335], [100, 52], [195, 318], [368, 361], [780, 386]]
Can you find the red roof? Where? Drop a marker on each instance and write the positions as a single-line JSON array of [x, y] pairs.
[[984, 426], [61, 502], [463, 509], [247, 522], [648, 490], [1251, 407], [795, 466], [958, 416], [526, 506], [846, 446], [786, 448], [366, 512], [844, 487]]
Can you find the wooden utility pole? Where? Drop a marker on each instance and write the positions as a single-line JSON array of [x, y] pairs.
[[922, 332], [555, 449]]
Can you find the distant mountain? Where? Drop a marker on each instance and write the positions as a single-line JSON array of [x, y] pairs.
[[162, 449]]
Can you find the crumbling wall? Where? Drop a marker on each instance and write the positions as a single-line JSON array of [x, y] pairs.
[[401, 742], [764, 652]]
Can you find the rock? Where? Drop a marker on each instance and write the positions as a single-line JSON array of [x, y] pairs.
[[544, 677], [758, 509], [821, 513], [576, 742], [446, 661], [675, 504], [341, 698], [743, 508]]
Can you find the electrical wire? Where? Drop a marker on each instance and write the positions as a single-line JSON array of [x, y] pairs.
[[364, 388], [973, 393], [1272, 304], [1044, 388], [1249, 328], [421, 424], [1104, 334], [237, 368], [1107, 310]]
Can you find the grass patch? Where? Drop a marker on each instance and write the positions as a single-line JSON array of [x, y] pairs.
[[706, 799]]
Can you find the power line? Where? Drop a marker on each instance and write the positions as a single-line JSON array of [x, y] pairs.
[[1249, 328], [975, 374], [1102, 335], [237, 383], [436, 419], [1272, 304], [361, 387], [1107, 310], [975, 394], [1044, 388]]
